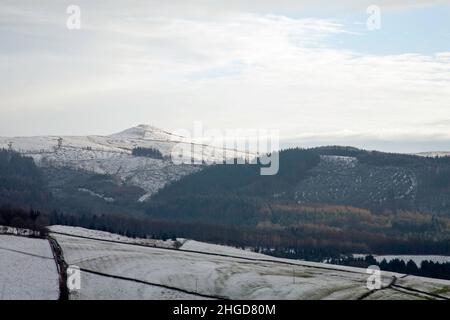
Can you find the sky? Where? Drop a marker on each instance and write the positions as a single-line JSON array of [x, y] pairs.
[[314, 70]]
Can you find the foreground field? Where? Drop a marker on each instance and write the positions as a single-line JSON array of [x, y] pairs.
[[113, 270], [27, 269], [116, 267]]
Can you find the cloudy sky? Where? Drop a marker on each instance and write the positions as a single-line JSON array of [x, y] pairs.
[[311, 69]]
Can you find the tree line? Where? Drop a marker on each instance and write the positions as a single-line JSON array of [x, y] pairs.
[[23, 218], [427, 268], [147, 152], [21, 182]]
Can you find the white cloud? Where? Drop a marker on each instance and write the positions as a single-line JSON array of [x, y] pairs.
[[228, 68]]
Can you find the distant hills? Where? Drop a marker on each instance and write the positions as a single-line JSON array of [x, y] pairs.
[[332, 175], [113, 155], [323, 200]]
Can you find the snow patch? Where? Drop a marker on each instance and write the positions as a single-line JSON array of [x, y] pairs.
[[94, 194], [27, 269]]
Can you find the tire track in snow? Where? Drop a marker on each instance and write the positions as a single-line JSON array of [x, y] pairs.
[[154, 284], [25, 253], [434, 295]]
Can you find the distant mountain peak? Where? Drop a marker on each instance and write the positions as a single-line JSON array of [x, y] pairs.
[[144, 131], [147, 127]]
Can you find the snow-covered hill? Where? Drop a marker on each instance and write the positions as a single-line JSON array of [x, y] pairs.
[[117, 267], [345, 180], [112, 155], [126, 269]]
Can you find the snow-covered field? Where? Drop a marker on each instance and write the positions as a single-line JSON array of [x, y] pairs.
[[117, 267], [100, 287], [27, 269], [243, 276], [192, 245]]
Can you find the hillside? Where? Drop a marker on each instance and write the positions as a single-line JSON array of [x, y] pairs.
[[139, 157], [379, 181], [322, 203], [113, 155], [331, 175], [331, 199], [21, 182]]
